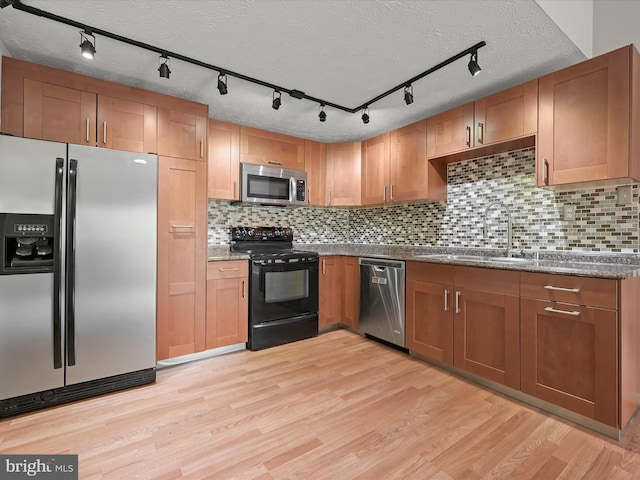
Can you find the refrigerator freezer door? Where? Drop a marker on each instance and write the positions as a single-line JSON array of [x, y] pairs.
[[26, 335], [27, 174], [114, 296]]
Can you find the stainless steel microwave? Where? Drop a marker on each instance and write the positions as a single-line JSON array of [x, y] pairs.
[[272, 186]]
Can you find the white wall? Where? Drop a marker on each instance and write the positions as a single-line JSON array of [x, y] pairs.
[[575, 18], [3, 52], [616, 24]]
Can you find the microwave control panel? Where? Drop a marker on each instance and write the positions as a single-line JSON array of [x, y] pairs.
[[301, 191]]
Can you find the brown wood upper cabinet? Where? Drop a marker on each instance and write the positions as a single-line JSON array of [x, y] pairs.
[[315, 163], [126, 125], [270, 148], [589, 116], [223, 161], [508, 115], [343, 174], [376, 187], [182, 134]]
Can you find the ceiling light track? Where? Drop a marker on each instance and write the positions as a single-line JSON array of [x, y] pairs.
[[473, 51]]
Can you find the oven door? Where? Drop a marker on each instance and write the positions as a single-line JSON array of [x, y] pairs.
[[281, 291]]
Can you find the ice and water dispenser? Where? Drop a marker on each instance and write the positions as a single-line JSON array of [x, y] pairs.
[[27, 243]]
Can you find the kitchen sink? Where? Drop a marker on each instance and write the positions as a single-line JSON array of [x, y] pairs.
[[475, 258]]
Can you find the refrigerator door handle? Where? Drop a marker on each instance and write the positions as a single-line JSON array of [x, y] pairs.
[[72, 188], [57, 265]]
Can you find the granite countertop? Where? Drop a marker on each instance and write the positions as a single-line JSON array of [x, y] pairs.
[[598, 265]]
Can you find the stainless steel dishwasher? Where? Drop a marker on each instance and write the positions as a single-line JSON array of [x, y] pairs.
[[382, 287]]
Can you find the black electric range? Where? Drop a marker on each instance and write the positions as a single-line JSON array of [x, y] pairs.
[[283, 286]]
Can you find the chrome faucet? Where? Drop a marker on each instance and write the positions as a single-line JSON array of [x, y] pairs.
[[509, 224]]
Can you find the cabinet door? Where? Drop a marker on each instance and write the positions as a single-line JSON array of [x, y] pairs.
[[375, 170], [182, 242], [343, 174], [507, 115], [351, 294], [315, 163], [224, 160], [430, 320], [487, 332], [227, 306], [450, 131], [331, 291], [270, 148], [59, 114], [569, 357], [584, 121], [182, 135], [486, 324], [127, 125]]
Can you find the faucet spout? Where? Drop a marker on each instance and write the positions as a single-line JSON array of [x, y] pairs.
[[509, 223]]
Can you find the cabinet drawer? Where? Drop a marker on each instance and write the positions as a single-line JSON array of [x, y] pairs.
[[227, 269], [488, 280], [430, 272], [596, 292]]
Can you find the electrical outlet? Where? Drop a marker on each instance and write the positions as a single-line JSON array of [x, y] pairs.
[[624, 195], [569, 213]]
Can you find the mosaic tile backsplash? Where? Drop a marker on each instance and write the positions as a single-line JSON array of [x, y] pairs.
[[539, 216]]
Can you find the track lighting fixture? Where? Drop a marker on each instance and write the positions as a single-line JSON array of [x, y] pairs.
[[275, 104], [87, 47], [222, 83], [408, 94], [323, 114], [365, 115], [473, 66], [164, 67]]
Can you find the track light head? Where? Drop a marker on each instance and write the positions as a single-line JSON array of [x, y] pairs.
[[323, 115], [164, 67], [408, 94], [365, 115], [222, 83], [277, 101], [87, 48], [473, 66]]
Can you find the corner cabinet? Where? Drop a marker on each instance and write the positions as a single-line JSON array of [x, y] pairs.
[[589, 121], [227, 305]]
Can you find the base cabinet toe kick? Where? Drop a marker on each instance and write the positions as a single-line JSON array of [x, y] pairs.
[[566, 344]]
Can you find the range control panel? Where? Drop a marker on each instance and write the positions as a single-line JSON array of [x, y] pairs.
[[265, 234]]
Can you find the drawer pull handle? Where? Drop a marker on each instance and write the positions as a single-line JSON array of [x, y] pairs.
[[177, 227], [273, 162], [228, 269], [555, 310], [446, 300], [457, 302], [560, 289]]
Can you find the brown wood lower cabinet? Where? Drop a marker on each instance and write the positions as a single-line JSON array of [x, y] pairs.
[[227, 305], [339, 291], [429, 318], [569, 350], [466, 316]]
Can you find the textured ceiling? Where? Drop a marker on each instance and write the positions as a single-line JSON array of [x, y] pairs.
[[343, 51]]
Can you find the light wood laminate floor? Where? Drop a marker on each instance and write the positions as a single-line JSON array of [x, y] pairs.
[[334, 407]]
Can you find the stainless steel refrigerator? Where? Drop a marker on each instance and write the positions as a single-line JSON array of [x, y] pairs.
[[77, 272]]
